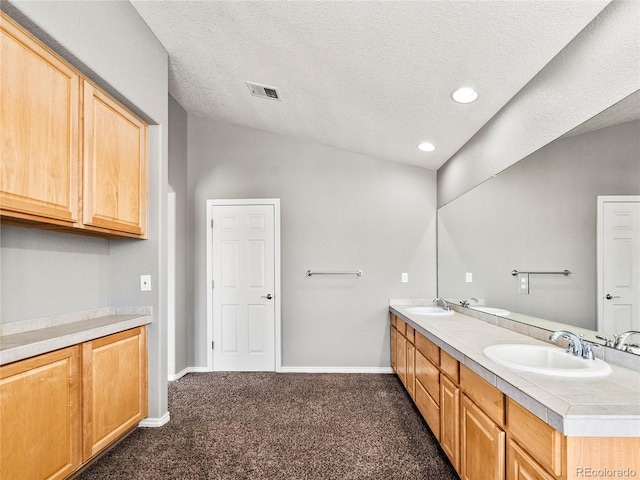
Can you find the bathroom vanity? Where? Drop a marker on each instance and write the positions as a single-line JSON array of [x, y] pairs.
[[496, 423]]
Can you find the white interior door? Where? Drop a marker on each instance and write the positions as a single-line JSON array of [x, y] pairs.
[[243, 272], [620, 265]]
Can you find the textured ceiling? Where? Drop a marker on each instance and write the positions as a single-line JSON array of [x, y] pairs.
[[369, 77]]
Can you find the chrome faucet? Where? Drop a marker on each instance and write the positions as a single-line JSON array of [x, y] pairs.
[[621, 340], [575, 342], [465, 303], [445, 305]]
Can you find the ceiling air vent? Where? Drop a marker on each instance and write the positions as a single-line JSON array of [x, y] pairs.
[[264, 91]]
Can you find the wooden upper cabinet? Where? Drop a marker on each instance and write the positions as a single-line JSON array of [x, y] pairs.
[[39, 110], [115, 166]]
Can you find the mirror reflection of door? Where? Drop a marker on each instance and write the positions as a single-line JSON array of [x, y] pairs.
[[618, 264]]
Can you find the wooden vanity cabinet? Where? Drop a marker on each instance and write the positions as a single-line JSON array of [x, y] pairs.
[[39, 131], [488, 436], [114, 387], [40, 416]]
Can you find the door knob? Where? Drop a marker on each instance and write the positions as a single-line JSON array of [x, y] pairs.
[[609, 297], [268, 296]]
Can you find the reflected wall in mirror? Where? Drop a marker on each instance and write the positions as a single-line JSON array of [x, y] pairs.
[[540, 215]]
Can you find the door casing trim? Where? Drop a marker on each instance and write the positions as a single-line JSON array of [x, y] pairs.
[[276, 218]]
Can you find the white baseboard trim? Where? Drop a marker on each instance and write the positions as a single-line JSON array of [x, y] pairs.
[[335, 370], [155, 422], [188, 370]]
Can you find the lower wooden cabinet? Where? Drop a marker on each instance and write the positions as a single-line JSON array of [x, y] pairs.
[[488, 436], [450, 421], [520, 465], [114, 387], [40, 430], [482, 444], [59, 409]]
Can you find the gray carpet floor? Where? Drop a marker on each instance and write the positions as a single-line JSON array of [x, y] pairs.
[[281, 426]]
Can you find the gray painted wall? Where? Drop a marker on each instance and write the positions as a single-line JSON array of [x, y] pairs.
[[598, 68], [540, 214], [178, 184], [48, 273], [339, 210], [111, 44]]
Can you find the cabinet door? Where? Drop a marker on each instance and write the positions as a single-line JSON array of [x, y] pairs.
[[482, 444], [393, 348], [115, 166], [520, 466], [401, 358], [40, 412], [39, 112], [411, 369], [114, 387], [450, 420]]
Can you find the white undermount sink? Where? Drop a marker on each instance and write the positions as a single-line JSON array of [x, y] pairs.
[[492, 310], [546, 360], [431, 311]]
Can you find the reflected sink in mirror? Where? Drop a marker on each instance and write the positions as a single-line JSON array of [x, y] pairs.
[[431, 311], [492, 310], [545, 360]]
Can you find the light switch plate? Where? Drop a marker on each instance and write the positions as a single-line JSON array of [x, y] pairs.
[[405, 277], [469, 277], [145, 283]]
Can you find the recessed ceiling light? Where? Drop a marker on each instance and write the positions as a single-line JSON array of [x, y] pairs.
[[426, 147], [465, 95]]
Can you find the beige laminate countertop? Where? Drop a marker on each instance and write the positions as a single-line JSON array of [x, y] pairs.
[[25, 344], [586, 407]]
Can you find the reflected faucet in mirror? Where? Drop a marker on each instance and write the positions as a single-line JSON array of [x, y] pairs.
[[620, 342], [465, 303]]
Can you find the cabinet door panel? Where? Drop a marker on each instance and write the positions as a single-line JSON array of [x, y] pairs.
[[114, 387], [39, 115], [428, 375], [411, 369], [520, 466], [401, 358], [40, 412], [429, 409], [450, 421], [115, 165], [482, 444]]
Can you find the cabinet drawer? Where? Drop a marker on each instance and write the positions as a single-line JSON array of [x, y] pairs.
[[450, 366], [488, 397], [401, 326], [520, 465], [543, 442], [428, 375], [429, 409], [429, 349], [410, 334]]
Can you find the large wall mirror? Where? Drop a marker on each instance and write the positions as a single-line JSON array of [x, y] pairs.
[[541, 215]]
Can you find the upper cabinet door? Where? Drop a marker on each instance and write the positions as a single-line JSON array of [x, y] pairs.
[[39, 109], [115, 166]]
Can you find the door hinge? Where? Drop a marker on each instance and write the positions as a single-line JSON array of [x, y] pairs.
[[213, 345], [213, 283], [211, 223]]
